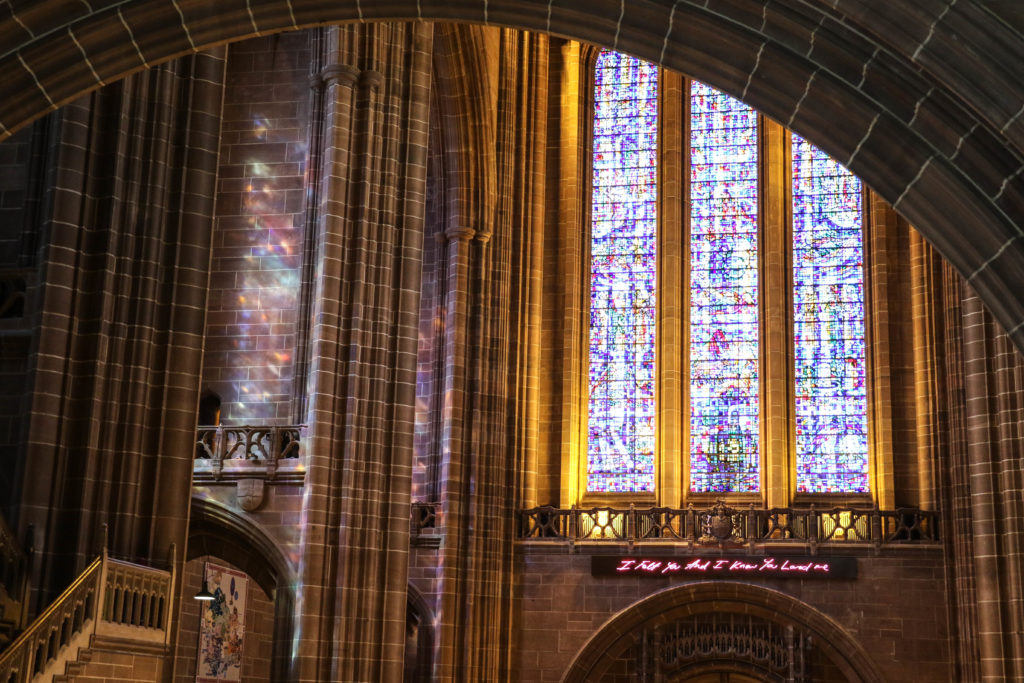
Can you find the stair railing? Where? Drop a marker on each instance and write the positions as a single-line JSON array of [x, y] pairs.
[[111, 598], [13, 572], [63, 624]]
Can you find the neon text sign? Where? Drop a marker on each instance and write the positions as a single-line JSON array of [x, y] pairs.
[[745, 566]]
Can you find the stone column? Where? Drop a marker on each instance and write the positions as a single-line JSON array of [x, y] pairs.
[[484, 423], [351, 608], [121, 323], [993, 376]]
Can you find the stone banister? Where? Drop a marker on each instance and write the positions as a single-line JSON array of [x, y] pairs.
[[111, 599]]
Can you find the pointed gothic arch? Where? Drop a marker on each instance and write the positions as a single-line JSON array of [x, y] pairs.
[[220, 532], [735, 611]]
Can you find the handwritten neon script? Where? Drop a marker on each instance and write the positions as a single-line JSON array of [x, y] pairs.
[[767, 564]]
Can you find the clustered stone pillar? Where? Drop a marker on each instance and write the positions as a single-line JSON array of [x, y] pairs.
[[993, 373], [488, 302], [968, 376], [121, 320], [361, 387]]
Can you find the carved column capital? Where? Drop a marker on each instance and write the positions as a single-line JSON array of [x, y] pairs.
[[371, 79], [340, 73], [460, 233]]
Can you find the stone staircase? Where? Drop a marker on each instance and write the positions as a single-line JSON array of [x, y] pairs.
[[110, 624]]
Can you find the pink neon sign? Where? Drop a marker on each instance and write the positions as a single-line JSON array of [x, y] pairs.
[[726, 566]]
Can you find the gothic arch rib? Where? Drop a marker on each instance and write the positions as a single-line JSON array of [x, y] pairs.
[[462, 95], [933, 107]]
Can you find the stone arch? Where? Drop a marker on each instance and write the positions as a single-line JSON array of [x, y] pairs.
[[218, 531], [419, 648], [720, 597], [931, 97], [458, 117]]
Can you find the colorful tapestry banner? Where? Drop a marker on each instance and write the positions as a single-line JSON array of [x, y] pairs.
[[222, 626]]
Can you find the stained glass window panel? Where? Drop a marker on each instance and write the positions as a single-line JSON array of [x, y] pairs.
[[724, 447], [828, 325], [620, 451]]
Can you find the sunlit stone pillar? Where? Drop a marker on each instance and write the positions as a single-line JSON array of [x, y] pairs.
[[363, 353], [485, 424]]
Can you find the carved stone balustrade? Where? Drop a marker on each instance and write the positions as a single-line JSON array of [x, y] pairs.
[[112, 601], [248, 451], [730, 527], [13, 575]]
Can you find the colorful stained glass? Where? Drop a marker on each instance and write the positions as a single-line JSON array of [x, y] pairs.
[[828, 325], [623, 234], [724, 448]]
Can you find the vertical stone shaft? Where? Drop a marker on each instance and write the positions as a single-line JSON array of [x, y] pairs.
[[490, 280], [124, 287], [994, 418], [363, 352]]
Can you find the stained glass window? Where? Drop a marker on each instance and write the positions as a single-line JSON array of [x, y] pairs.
[[622, 276], [724, 449], [828, 325]]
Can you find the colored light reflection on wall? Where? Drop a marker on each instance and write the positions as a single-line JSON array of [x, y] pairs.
[[724, 449], [620, 452], [828, 324], [258, 265]]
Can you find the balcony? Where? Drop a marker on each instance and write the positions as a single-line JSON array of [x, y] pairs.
[[723, 527], [230, 453]]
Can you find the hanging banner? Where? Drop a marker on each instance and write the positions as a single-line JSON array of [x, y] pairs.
[[723, 567], [222, 626]]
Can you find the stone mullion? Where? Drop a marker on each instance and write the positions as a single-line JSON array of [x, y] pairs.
[[925, 276], [778, 454], [879, 334], [573, 283], [671, 468]]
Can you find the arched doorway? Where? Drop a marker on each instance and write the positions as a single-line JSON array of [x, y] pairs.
[[721, 632], [216, 531]]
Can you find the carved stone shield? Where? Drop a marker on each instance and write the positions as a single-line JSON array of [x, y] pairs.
[[249, 494]]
